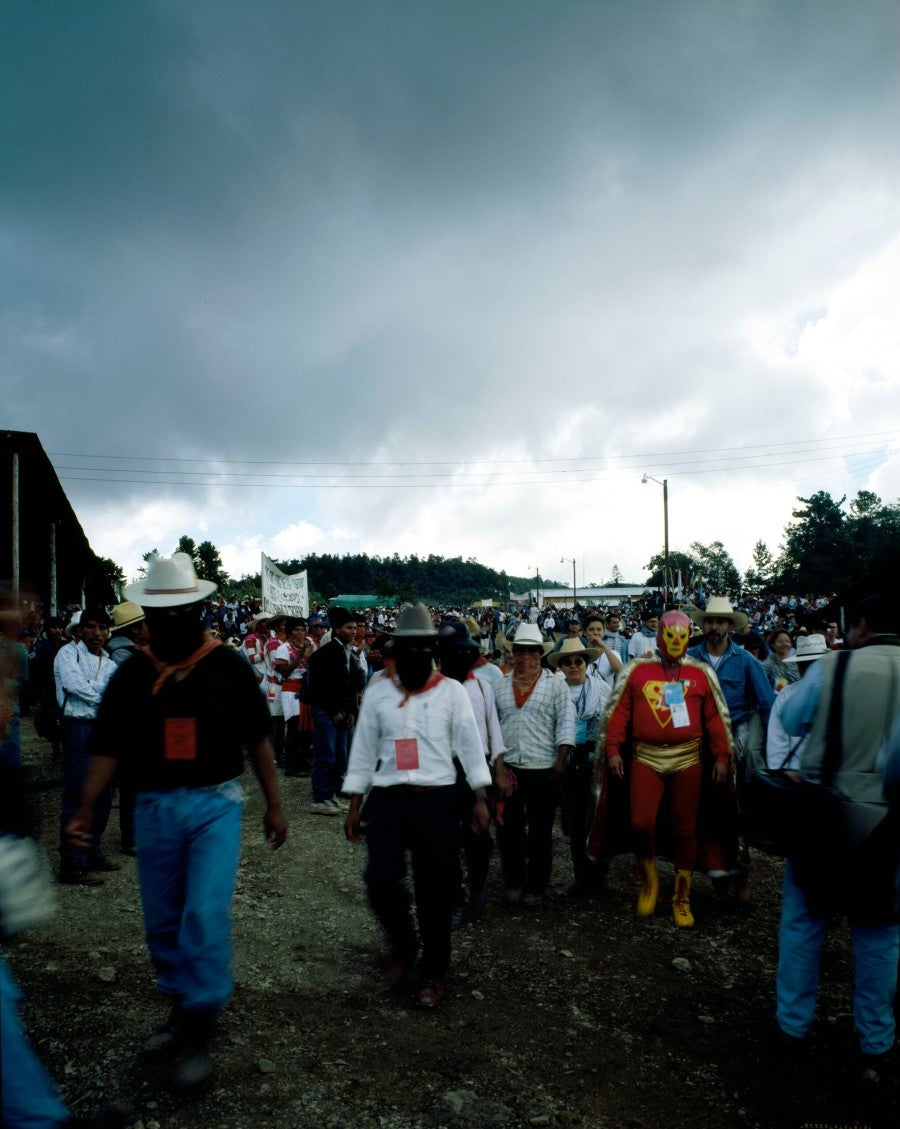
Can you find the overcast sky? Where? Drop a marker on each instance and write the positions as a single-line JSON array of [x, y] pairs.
[[451, 277]]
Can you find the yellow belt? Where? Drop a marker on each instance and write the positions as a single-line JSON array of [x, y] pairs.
[[668, 759]]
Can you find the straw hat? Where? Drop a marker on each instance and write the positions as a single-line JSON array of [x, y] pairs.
[[571, 648], [126, 614], [719, 607]]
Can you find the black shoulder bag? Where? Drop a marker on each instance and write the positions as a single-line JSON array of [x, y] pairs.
[[788, 817], [857, 880]]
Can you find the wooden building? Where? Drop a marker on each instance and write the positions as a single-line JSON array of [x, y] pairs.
[[46, 561]]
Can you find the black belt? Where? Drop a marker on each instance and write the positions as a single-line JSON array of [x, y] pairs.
[[414, 787]]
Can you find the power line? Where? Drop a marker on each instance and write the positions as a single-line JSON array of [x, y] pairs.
[[638, 458], [385, 482]]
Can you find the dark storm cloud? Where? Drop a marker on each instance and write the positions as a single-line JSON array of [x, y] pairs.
[[295, 225]]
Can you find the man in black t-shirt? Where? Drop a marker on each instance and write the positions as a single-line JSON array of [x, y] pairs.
[[180, 716]]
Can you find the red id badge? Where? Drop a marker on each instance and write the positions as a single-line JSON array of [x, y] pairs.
[[406, 753], [180, 735]]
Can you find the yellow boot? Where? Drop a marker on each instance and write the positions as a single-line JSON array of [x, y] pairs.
[[681, 900], [646, 902]]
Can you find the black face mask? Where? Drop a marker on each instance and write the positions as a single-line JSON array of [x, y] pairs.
[[457, 663], [174, 637], [413, 668]]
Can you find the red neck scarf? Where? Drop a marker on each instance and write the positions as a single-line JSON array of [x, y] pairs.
[[166, 670]]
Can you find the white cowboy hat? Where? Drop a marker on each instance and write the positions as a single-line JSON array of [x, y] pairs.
[[526, 635], [810, 647], [718, 607], [170, 583], [570, 649]]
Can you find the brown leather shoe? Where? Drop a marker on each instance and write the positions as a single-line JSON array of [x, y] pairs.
[[431, 996], [103, 865], [78, 876], [395, 972]]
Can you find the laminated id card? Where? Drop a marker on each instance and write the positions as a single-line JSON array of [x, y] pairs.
[[180, 738], [673, 696], [406, 753]]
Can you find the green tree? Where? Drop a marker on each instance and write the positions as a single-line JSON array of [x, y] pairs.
[[105, 582], [187, 545], [685, 562], [817, 551], [759, 577], [208, 563], [716, 568], [873, 532]]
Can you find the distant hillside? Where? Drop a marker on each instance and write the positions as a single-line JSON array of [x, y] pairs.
[[436, 580]]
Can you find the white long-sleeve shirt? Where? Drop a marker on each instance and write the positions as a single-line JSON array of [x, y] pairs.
[[439, 721], [485, 710], [81, 679]]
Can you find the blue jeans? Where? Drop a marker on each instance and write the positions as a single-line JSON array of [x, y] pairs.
[[30, 1099], [11, 745], [188, 844], [331, 749], [76, 757], [875, 952]]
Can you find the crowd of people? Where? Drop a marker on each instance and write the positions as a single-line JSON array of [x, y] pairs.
[[423, 729]]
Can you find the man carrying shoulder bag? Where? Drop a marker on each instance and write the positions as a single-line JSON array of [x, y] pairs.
[[846, 708]]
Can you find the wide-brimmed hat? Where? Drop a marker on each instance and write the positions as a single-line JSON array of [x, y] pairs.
[[719, 607], [414, 622], [170, 582], [810, 647], [571, 648], [126, 614], [455, 633], [526, 635]]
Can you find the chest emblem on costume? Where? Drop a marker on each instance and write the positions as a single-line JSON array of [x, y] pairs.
[[654, 695]]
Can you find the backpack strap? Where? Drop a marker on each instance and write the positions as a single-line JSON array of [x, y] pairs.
[[833, 750]]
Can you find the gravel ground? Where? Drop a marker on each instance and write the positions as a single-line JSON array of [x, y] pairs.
[[575, 1014]]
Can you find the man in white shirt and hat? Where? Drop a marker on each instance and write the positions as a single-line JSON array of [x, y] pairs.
[[538, 722], [412, 724]]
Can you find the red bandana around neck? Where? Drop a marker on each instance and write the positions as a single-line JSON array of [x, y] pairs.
[[166, 670]]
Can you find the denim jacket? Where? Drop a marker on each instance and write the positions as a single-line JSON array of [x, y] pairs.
[[743, 680]]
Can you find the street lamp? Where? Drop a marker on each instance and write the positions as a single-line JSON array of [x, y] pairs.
[[571, 561], [664, 483]]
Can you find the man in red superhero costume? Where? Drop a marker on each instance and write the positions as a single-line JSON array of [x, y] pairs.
[[670, 712]]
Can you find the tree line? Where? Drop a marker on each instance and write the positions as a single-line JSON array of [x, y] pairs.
[[827, 548]]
